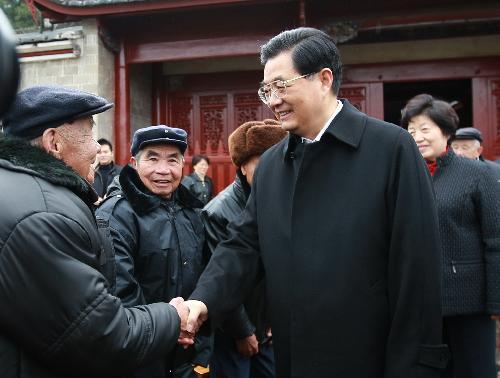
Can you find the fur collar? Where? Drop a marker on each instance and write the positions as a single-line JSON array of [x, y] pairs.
[[144, 201], [36, 162]]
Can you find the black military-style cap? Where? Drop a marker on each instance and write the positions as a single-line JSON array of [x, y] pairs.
[[38, 108], [469, 133], [160, 134]]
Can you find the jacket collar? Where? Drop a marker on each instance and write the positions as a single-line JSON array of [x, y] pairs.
[[444, 160], [348, 127], [143, 201], [241, 186], [23, 157]]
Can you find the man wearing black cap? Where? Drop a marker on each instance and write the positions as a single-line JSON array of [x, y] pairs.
[[157, 235], [57, 316], [467, 142]]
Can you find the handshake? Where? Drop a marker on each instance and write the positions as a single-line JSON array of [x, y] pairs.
[[192, 314]]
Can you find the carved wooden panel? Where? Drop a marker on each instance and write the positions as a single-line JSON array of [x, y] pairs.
[[213, 121], [247, 108], [180, 111]]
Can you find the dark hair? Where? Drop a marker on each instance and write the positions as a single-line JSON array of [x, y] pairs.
[[440, 112], [312, 50], [106, 142], [198, 158]]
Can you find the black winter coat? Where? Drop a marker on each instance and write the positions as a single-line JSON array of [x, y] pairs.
[[203, 190], [469, 223], [103, 180], [159, 249], [345, 230], [57, 318], [225, 208]]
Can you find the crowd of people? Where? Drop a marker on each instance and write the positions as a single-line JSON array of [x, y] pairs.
[[345, 246]]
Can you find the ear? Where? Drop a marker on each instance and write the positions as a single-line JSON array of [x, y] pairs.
[[480, 150], [133, 161], [326, 78], [51, 143]]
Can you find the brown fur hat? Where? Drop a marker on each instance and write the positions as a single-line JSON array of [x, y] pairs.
[[253, 138]]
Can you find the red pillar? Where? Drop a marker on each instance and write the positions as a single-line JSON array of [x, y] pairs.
[[122, 108]]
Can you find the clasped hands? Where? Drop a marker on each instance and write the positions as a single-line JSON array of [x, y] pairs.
[[192, 314]]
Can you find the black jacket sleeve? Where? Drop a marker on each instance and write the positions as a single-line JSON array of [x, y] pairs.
[[57, 307], [237, 323]]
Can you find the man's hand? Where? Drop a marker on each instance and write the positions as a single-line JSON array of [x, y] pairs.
[[248, 346], [198, 313], [185, 338]]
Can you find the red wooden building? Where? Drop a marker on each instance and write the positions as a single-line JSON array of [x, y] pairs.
[[194, 63]]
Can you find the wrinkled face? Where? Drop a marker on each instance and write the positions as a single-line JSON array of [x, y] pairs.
[[300, 110], [78, 148], [430, 139], [160, 168], [105, 156], [248, 168], [201, 168], [469, 148]]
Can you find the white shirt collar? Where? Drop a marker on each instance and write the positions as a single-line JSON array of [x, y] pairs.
[[322, 131]]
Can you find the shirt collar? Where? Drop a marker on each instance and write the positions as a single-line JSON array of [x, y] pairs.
[[330, 120]]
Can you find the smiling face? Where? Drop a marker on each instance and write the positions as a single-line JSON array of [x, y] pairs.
[[160, 168], [309, 101], [430, 139]]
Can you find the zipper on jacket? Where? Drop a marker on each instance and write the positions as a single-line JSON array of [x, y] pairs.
[[453, 266]]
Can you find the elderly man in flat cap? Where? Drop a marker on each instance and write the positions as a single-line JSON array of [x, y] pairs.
[[242, 347], [158, 236], [468, 142], [57, 317]]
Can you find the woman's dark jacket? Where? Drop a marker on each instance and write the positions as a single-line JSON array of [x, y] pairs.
[[225, 208], [158, 244], [57, 317], [469, 223], [345, 231], [201, 189]]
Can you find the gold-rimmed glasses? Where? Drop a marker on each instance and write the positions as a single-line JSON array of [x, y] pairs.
[[276, 88]]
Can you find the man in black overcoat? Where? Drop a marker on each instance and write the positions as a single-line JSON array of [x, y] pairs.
[[342, 223]]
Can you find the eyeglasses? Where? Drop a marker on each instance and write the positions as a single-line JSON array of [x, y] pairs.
[[277, 88]]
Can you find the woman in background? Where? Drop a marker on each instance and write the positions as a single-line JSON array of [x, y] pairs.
[[198, 183], [469, 223]]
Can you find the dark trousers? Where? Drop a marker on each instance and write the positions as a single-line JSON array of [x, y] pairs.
[[471, 339], [228, 363]]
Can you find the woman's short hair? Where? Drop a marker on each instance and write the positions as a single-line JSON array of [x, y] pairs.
[[440, 112], [198, 158]]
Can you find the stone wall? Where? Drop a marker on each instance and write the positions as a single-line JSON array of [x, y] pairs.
[[92, 70], [140, 96]]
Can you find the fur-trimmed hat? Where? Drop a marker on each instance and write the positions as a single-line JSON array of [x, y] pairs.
[[253, 138]]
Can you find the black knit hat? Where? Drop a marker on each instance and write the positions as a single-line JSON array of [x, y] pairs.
[[160, 134], [38, 108]]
